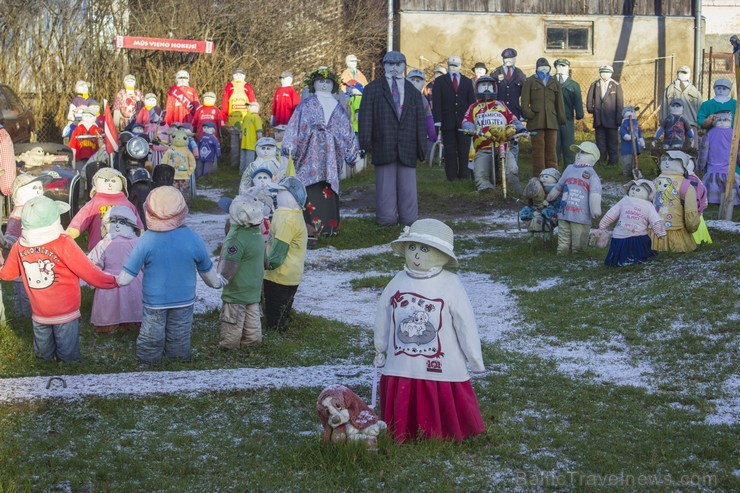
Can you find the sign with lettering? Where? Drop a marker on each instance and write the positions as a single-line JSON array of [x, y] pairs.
[[164, 44]]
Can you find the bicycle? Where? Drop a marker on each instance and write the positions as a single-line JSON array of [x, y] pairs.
[[436, 155]]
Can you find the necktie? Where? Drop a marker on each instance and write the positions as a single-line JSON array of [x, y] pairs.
[[560, 79], [454, 82], [396, 96], [508, 73]]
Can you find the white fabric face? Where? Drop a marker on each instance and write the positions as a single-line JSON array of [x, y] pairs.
[[605, 76], [562, 70], [629, 114], [480, 72], [88, 120], [585, 158], [544, 69], [453, 69], [721, 94], [548, 180], [683, 76], [129, 83], [285, 200], [723, 120], [108, 185], [266, 152], [509, 62], [209, 101], [239, 77], [484, 87], [639, 192], [261, 179], [150, 103], [82, 88], [422, 258], [183, 82], [323, 85], [676, 109], [286, 82], [352, 64], [671, 166], [27, 192], [394, 69], [417, 82], [209, 130]]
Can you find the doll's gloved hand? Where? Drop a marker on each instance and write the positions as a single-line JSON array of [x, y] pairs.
[[627, 137], [642, 142], [510, 131], [379, 359]]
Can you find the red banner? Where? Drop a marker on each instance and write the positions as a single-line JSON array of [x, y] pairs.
[[164, 44]]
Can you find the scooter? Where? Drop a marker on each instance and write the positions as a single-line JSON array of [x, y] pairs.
[[130, 161]]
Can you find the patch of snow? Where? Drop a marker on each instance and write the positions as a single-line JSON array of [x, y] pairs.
[[726, 409], [726, 226], [543, 285]]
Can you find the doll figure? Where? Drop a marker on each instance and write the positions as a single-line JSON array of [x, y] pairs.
[[722, 101], [80, 101], [427, 92], [242, 263], [266, 158], [581, 189], [251, 126], [182, 100], [181, 158], [284, 101], [675, 128], [51, 266], [714, 154], [351, 72], [127, 103], [680, 215], [417, 78], [209, 150], [286, 253], [627, 131], [150, 112], [84, 141], [237, 94], [691, 99], [119, 309], [167, 318], [633, 215], [425, 332], [208, 113], [541, 216], [156, 129], [701, 235], [573, 105], [109, 189], [138, 129], [605, 101], [479, 70]]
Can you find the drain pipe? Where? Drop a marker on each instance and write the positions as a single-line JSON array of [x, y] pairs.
[[390, 25], [697, 42]]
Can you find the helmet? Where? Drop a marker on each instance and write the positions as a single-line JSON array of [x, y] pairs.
[[486, 96], [182, 74]]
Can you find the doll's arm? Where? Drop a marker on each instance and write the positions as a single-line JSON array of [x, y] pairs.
[[691, 216], [213, 279], [382, 328], [611, 216], [227, 268], [278, 253], [463, 322]]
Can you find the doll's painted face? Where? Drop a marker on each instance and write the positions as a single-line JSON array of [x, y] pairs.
[[266, 151], [209, 100], [671, 166], [453, 68], [723, 120], [509, 62], [29, 191], [548, 181], [137, 129], [721, 93], [351, 63], [585, 158], [676, 109], [422, 258], [82, 88], [261, 179], [253, 108], [239, 77], [150, 103], [418, 82], [286, 81], [639, 192], [480, 72], [484, 87], [129, 82], [209, 130], [183, 81], [323, 85], [629, 115], [119, 226], [562, 69], [108, 185], [394, 69]]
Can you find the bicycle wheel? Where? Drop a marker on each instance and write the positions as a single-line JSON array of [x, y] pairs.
[[436, 154]]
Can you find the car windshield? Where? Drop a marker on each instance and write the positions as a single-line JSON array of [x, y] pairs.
[[14, 102]]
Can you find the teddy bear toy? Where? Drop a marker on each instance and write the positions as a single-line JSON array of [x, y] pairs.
[[679, 214], [539, 215], [345, 417], [181, 159]]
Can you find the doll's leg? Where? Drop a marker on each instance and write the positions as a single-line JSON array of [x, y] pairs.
[[252, 329], [232, 321], [579, 236], [177, 333], [150, 342], [406, 196], [627, 165], [482, 170], [67, 337], [44, 345], [21, 303], [564, 237], [386, 201]]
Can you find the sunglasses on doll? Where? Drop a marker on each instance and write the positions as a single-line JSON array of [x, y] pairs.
[[119, 220]]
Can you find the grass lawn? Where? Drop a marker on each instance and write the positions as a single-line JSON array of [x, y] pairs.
[[608, 379]]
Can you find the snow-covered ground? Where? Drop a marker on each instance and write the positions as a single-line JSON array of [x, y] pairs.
[[496, 313]]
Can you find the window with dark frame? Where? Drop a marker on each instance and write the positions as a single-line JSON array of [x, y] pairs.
[[568, 37]]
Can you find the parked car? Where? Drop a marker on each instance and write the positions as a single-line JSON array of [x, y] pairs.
[[15, 116]]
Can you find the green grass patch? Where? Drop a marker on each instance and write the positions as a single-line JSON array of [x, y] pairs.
[[371, 282]]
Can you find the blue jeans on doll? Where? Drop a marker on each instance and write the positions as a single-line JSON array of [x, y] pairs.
[[165, 331], [60, 340]]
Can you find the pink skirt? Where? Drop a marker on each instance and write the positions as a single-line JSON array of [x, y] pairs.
[[447, 410]]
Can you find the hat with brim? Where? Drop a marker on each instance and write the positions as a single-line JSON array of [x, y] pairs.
[[642, 183], [588, 148], [681, 156], [266, 141], [23, 179], [430, 232], [416, 73], [165, 209], [41, 211], [394, 57], [606, 69], [296, 188], [723, 83]]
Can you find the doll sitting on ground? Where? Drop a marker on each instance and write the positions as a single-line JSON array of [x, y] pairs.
[[425, 332], [541, 216], [633, 215], [120, 309]]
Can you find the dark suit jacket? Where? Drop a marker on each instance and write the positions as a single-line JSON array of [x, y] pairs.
[[509, 91], [607, 111], [448, 106], [382, 133]]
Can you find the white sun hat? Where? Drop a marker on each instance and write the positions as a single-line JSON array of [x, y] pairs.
[[430, 232]]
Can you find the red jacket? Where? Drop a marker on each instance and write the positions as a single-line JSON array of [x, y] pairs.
[[181, 109], [85, 147], [283, 104], [51, 276], [207, 114]]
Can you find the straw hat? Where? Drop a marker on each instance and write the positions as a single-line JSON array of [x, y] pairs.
[[430, 232], [109, 173]]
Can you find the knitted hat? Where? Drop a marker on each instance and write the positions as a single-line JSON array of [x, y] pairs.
[[240, 71], [266, 141], [165, 209], [322, 73], [588, 148], [209, 94], [150, 95], [109, 173], [23, 179], [430, 232], [40, 212], [554, 172], [261, 170], [643, 183]]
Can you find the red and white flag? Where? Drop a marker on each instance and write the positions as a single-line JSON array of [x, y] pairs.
[[109, 130]]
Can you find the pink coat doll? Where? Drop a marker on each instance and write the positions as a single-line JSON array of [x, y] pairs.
[[118, 309], [110, 190]]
